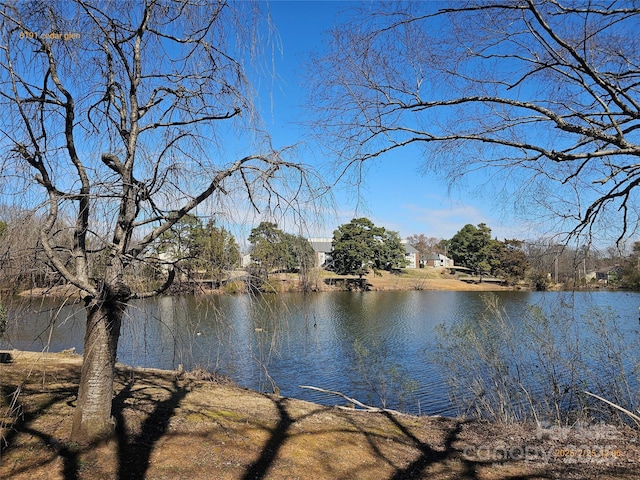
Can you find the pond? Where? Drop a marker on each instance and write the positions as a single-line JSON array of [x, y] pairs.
[[377, 347]]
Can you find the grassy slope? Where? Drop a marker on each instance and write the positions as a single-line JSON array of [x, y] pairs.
[[408, 279], [322, 280]]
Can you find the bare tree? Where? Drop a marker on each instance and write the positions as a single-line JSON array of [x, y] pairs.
[[425, 245], [116, 118], [22, 262], [547, 92]]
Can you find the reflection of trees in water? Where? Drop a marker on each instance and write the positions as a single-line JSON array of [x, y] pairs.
[[386, 380], [371, 346]]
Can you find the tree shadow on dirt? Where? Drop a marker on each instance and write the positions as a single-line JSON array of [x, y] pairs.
[[428, 455], [395, 446], [19, 420], [260, 467], [136, 443], [445, 456]]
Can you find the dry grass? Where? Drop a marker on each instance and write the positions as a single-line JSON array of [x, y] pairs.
[[427, 279], [412, 279], [178, 427]]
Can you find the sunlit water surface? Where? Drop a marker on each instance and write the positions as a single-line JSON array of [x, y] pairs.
[[377, 347]]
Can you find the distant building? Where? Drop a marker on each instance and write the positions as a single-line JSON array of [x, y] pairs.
[[605, 276], [438, 260], [245, 260], [412, 255], [321, 250]]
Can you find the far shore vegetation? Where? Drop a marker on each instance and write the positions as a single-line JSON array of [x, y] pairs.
[[363, 256], [120, 126]]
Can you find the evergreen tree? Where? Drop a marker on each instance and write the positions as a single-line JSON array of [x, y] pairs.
[[513, 263], [359, 246], [273, 249], [472, 247], [219, 251], [267, 249], [393, 254], [182, 243]]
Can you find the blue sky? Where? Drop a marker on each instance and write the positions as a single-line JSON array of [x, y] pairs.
[[395, 194]]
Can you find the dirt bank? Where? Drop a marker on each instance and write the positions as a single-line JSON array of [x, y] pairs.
[[179, 426]]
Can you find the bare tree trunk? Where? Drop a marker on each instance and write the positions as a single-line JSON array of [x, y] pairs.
[[92, 419], [124, 112]]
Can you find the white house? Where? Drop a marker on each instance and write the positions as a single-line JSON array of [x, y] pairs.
[[438, 260], [322, 250], [412, 255], [245, 260]]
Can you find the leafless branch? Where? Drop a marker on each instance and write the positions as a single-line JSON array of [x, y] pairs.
[[546, 91]]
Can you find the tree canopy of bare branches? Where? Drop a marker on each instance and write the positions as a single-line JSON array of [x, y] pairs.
[[119, 119], [547, 92]]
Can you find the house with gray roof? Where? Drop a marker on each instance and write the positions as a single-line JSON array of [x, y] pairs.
[[412, 255], [322, 250]]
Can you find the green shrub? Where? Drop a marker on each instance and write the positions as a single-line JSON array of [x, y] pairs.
[[231, 288]]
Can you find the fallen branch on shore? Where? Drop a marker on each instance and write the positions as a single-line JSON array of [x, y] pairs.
[[633, 416], [365, 407]]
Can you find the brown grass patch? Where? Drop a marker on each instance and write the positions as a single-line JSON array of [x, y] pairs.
[[174, 426]]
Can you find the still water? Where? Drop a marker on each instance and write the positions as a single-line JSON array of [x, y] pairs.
[[377, 347]]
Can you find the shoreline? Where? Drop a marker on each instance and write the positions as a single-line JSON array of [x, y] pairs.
[[428, 279], [182, 425]]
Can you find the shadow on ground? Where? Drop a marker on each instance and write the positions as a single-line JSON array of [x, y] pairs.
[[136, 445], [172, 426]]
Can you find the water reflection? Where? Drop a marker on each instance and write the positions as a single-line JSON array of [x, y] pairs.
[[374, 346]]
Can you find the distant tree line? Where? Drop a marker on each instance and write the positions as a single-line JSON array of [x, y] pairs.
[[273, 250], [540, 263], [23, 262], [206, 251], [474, 248]]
